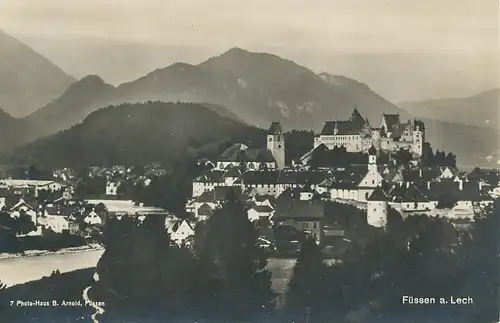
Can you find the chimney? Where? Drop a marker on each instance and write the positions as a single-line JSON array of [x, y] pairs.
[[480, 185], [461, 185], [407, 184], [428, 185], [420, 173]]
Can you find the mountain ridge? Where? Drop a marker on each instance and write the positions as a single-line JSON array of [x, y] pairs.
[[28, 80]]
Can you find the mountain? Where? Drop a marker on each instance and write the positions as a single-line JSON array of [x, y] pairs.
[[27, 80], [474, 145], [75, 104], [139, 134], [478, 110], [256, 88]]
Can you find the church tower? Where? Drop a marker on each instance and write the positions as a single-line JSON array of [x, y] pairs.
[[276, 144], [372, 159]]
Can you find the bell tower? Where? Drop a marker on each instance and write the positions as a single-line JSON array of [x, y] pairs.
[[276, 144]]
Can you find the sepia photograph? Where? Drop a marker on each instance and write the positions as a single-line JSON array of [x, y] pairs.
[[265, 161]]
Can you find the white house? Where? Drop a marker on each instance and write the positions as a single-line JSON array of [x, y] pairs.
[[179, 231], [260, 212], [112, 188], [93, 218], [39, 185]]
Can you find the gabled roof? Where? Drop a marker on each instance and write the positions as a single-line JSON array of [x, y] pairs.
[[241, 153], [261, 177], [275, 129], [214, 176], [219, 193], [342, 128], [378, 195], [20, 204], [392, 121], [262, 208], [299, 209]]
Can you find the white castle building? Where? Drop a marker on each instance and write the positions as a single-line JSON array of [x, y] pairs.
[[356, 134]]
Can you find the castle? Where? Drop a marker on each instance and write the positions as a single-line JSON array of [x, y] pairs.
[[356, 134]]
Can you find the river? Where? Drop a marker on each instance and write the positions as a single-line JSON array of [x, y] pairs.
[[25, 269]]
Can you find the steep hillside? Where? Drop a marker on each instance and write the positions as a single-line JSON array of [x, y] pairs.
[[479, 110], [257, 87], [76, 103], [28, 81], [474, 145], [139, 134]]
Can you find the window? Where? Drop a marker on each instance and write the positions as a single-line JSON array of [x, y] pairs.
[[270, 139], [306, 225], [374, 210], [373, 182], [279, 138], [367, 195], [315, 225]]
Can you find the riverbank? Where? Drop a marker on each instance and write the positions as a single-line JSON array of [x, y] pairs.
[[19, 270], [36, 253]]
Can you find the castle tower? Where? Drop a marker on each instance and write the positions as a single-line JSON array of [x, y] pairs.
[[377, 208], [276, 144]]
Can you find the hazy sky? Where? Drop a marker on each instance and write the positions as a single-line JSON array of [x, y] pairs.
[[345, 25], [308, 30]]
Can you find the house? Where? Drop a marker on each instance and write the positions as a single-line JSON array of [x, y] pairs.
[[212, 199], [357, 182], [213, 178], [180, 231], [59, 220], [245, 158], [467, 197], [258, 212], [36, 184], [305, 215], [112, 188], [92, 218], [23, 207]]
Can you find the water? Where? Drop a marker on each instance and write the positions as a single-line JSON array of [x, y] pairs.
[[21, 270]]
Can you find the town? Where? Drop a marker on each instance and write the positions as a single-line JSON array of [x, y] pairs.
[[386, 170]]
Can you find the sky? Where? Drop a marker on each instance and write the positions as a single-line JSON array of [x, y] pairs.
[[310, 30]]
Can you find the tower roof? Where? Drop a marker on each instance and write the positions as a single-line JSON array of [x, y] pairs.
[[275, 129], [372, 150], [378, 195], [356, 114]]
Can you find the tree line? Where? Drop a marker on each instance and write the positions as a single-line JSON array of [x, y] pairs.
[[224, 278]]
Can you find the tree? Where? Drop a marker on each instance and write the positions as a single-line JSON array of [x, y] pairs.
[[232, 280], [306, 289], [480, 253], [23, 224], [141, 274]]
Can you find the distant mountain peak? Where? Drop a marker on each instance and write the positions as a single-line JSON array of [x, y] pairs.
[[28, 80]]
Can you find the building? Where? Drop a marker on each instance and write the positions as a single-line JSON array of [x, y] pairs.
[[300, 212], [31, 184], [92, 218], [180, 231], [356, 134], [357, 183], [276, 144], [377, 208], [245, 158], [112, 188], [260, 212]]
